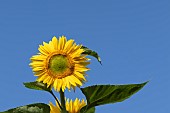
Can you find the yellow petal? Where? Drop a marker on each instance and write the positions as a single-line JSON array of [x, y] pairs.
[[77, 52], [69, 44], [54, 109], [40, 73], [76, 104], [71, 106], [38, 69], [81, 69], [71, 48], [62, 41], [50, 81], [46, 80], [80, 75], [55, 43], [37, 64], [64, 81], [67, 83], [48, 47], [43, 50], [38, 57], [41, 78], [70, 79], [57, 84]]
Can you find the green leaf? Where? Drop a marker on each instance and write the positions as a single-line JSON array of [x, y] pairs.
[[91, 110], [37, 86], [91, 53], [105, 94], [85, 110], [31, 108]]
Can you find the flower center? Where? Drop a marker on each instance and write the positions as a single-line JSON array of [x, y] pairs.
[[60, 66]]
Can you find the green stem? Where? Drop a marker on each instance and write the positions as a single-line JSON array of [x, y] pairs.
[[62, 98], [56, 99]]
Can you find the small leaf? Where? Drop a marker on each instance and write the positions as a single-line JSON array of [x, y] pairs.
[[106, 94], [31, 108], [37, 86], [91, 53]]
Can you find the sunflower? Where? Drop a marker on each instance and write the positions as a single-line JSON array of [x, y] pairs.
[[71, 106], [60, 63]]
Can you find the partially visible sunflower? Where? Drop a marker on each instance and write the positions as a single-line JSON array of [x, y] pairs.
[[71, 106], [60, 64]]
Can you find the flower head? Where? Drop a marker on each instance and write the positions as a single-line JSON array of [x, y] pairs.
[[71, 106], [60, 64]]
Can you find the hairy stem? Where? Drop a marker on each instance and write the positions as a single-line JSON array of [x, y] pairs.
[[62, 98]]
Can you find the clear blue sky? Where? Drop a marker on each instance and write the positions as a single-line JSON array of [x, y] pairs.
[[131, 36]]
